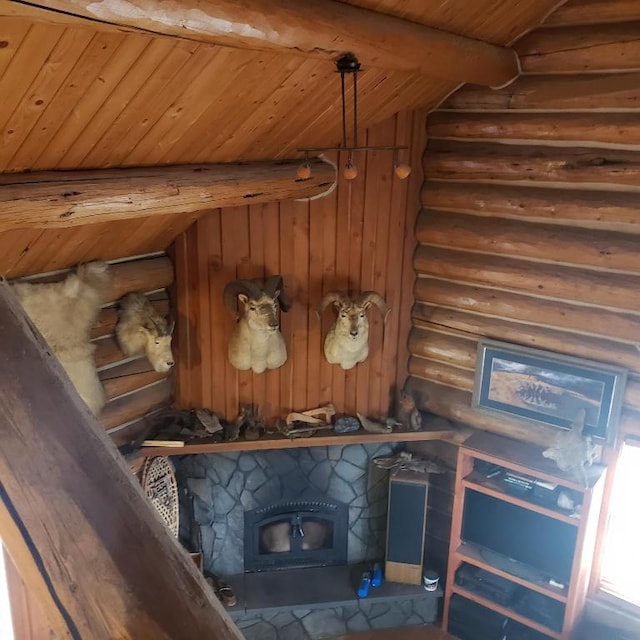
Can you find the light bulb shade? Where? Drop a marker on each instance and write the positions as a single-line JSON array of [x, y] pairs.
[[350, 172], [304, 171], [402, 170]]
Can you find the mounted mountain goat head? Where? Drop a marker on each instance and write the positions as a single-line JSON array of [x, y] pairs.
[[347, 342], [142, 330], [63, 312], [256, 342]]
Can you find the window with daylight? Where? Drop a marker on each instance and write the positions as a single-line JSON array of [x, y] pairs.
[[620, 570]]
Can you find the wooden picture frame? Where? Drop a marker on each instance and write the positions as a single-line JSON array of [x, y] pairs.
[[545, 387]]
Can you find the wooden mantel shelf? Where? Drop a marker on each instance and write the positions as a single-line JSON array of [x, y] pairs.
[[282, 442]]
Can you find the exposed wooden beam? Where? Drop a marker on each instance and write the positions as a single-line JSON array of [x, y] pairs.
[[316, 28], [70, 198], [74, 518]]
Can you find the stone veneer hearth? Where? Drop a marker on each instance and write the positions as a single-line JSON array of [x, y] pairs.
[[216, 490]]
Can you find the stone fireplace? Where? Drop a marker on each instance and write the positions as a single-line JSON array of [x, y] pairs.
[[259, 516], [218, 490], [296, 533]]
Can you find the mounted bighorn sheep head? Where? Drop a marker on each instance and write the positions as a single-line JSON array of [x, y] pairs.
[[256, 342], [347, 342]]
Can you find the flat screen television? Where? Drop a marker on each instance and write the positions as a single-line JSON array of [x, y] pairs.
[[542, 544]]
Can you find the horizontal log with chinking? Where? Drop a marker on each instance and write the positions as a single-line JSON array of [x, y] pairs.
[[587, 320], [553, 93], [524, 239], [601, 47], [607, 210], [600, 288], [594, 12], [480, 161], [581, 129], [467, 322]]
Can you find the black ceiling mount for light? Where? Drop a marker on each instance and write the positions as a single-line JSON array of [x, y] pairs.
[[348, 64]]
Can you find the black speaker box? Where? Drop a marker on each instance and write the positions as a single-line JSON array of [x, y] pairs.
[[406, 523]]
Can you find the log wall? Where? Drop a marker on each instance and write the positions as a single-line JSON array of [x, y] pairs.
[[359, 237], [529, 225], [528, 231]]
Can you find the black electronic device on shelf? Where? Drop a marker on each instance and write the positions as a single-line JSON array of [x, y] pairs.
[[487, 584], [471, 621]]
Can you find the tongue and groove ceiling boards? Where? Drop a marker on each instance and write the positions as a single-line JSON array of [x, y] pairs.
[[77, 93]]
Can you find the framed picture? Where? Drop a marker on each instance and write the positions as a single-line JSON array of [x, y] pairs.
[[544, 387]]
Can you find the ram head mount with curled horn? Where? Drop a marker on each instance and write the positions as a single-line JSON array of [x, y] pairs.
[[256, 342], [347, 342]]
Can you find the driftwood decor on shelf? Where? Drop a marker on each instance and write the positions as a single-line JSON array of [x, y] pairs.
[[256, 342], [347, 342]]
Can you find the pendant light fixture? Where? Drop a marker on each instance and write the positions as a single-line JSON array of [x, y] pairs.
[[348, 65]]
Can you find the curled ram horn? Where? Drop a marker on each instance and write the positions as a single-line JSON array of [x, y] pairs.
[[366, 298], [233, 289], [331, 298], [347, 342], [274, 287], [256, 342]]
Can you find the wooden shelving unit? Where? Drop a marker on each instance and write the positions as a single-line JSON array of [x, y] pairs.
[[282, 442], [523, 459]]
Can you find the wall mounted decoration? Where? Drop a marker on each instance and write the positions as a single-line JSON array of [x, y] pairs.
[[256, 342], [545, 387], [347, 342]]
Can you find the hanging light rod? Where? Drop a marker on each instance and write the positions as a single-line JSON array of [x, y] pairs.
[[348, 64]]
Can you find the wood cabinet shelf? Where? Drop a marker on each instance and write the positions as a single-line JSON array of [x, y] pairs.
[[494, 488], [318, 440], [467, 553], [494, 534], [505, 611]]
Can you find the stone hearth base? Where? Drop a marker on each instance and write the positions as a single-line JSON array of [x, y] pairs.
[[272, 605]]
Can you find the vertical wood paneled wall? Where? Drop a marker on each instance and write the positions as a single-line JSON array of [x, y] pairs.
[[360, 237], [530, 215]]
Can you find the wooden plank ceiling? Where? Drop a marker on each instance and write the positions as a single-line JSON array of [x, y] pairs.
[[79, 97]]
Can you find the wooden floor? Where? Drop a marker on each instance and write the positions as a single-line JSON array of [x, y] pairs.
[[406, 633]]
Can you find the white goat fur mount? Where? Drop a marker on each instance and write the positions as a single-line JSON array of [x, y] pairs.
[[256, 342], [63, 312], [142, 330], [347, 342]]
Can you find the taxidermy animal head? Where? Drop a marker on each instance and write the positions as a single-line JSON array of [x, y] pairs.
[[347, 342], [572, 451], [142, 330], [63, 312], [256, 342]]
